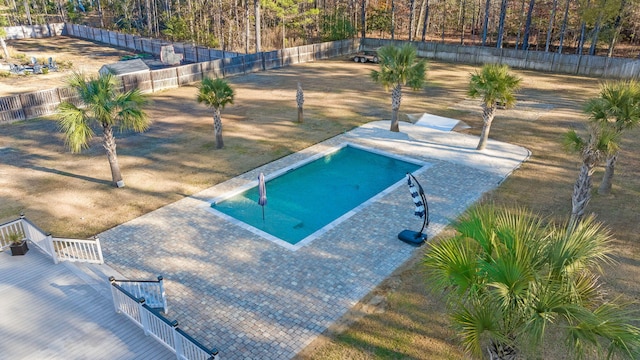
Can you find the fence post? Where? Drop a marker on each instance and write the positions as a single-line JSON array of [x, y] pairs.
[[99, 250], [144, 316], [177, 340], [162, 293]]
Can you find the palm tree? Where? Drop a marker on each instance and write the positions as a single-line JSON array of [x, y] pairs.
[[602, 142], [495, 85], [104, 103], [617, 107], [300, 102], [399, 67], [508, 276], [216, 93]]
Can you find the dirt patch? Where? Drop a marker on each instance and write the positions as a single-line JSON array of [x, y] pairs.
[[71, 54]]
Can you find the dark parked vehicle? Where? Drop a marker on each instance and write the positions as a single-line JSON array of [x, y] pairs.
[[366, 56]]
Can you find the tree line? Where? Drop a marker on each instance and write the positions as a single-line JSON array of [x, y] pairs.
[[563, 26]]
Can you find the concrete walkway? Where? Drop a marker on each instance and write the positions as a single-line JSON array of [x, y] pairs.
[[48, 312], [254, 299]]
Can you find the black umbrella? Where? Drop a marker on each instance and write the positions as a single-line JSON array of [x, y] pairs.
[[421, 211], [262, 193]]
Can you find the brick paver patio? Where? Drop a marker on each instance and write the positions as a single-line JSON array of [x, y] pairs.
[[254, 299]]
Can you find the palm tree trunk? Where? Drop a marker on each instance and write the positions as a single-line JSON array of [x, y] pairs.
[[300, 102], [607, 179], [109, 144], [581, 191], [498, 351], [396, 98], [488, 113], [217, 128]]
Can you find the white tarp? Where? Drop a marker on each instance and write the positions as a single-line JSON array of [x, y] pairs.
[[436, 122]]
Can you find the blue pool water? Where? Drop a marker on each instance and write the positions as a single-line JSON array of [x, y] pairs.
[[305, 199]]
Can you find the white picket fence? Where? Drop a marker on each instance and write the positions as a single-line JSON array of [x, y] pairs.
[[74, 250], [157, 326]]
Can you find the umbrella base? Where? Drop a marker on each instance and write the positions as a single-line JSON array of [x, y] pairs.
[[412, 237]]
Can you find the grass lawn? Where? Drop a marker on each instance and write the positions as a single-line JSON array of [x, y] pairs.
[[71, 196]]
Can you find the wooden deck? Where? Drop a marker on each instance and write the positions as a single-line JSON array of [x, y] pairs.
[[48, 312]]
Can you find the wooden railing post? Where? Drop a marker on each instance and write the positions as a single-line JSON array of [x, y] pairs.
[[165, 309], [99, 250], [51, 248], [25, 229], [177, 340], [114, 294], [144, 316]]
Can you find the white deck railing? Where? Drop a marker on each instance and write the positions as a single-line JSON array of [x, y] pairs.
[[159, 327], [80, 250], [38, 237], [6, 229], [151, 290]]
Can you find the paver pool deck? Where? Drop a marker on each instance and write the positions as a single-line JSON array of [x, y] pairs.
[[254, 299]]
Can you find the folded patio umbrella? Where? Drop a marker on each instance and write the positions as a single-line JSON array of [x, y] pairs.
[[262, 193], [421, 211], [417, 197]]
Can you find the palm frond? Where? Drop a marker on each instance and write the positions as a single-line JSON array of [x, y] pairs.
[[573, 142], [452, 263], [103, 102], [478, 323], [508, 275], [399, 66], [494, 83], [74, 124], [584, 246], [129, 107], [215, 93], [478, 224], [618, 105], [610, 322]]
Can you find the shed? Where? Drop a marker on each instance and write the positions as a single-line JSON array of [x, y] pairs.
[[125, 67]]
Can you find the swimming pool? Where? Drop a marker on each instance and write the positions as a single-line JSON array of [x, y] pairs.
[[310, 198]]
